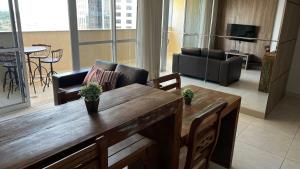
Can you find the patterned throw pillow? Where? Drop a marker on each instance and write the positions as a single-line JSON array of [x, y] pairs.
[[102, 77]]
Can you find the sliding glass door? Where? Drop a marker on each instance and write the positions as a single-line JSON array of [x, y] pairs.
[[103, 30], [13, 92]]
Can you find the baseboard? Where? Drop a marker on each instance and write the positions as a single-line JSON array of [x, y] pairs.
[[252, 112], [14, 107]]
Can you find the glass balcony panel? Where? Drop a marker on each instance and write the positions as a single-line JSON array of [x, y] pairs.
[[6, 33], [90, 53], [126, 19], [94, 20], [126, 53]]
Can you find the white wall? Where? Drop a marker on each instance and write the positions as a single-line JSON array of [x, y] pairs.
[[277, 23], [294, 76]]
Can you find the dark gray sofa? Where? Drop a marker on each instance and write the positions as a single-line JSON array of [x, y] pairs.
[[192, 62], [69, 83]]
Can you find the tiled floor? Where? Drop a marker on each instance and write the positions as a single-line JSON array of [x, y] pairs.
[[14, 98], [270, 144], [246, 87]]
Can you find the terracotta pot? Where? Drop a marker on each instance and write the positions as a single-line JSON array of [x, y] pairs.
[[92, 106], [187, 100]]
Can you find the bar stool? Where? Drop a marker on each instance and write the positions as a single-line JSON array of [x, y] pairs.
[[56, 56], [7, 60], [41, 55], [12, 77]]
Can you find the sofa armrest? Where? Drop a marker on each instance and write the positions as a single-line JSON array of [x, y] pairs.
[[230, 70], [68, 79], [175, 64]]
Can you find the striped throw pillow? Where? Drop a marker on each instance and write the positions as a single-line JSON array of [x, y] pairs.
[[102, 77]]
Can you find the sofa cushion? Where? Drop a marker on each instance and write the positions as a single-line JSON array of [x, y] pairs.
[[106, 65], [102, 77], [213, 54], [191, 51], [130, 75]]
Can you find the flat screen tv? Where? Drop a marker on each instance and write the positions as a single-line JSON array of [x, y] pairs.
[[242, 32]]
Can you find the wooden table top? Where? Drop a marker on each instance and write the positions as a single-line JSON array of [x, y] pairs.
[[203, 98], [39, 135]]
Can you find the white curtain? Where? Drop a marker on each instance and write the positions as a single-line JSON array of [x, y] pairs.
[[149, 20], [206, 17]]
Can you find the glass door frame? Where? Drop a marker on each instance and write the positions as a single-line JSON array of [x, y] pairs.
[[20, 57], [75, 43]]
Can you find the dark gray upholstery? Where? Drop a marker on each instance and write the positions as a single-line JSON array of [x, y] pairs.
[[130, 75], [230, 70], [192, 65], [211, 65], [191, 51], [213, 54], [106, 65]]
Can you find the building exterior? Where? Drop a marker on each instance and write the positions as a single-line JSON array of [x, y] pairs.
[[126, 14], [96, 14]]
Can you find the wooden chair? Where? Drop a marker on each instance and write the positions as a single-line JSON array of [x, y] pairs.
[[42, 54], [203, 137], [56, 56], [129, 152], [175, 76]]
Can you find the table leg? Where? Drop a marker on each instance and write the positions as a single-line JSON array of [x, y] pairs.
[[223, 152], [166, 133], [30, 72], [40, 71]]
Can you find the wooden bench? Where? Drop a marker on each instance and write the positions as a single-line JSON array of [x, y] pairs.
[[131, 151]]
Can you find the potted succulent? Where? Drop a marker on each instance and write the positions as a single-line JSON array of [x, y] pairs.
[[188, 96], [91, 94]]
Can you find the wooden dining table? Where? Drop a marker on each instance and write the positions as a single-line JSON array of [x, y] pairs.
[[38, 139], [41, 138], [204, 98]]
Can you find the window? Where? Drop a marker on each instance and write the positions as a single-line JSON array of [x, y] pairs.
[[118, 21], [129, 14], [129, 7], [129, 21], [118, 7], [118, 14], [129, 1], [43, 17]]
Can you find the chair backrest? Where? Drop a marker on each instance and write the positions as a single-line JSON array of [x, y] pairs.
[[203, 136], [164, 79], [7, 57], [45, 52], [57, 54]]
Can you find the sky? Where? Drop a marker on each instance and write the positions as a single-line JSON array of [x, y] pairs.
[[44, 15], [3, 5], [41, 15]]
